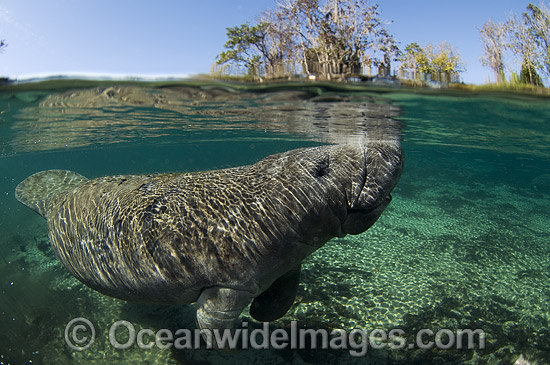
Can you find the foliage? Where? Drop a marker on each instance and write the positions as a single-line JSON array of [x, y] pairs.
[[323, 38], [441, 63], [523, 44], [493, 36], [537, 20], [527, 37], [341, 36], [413, 58], [244, 43], [529, 75]]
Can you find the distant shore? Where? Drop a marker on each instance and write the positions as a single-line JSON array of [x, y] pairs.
[[351, 83]]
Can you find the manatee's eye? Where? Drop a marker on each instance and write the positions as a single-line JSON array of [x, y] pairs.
[[322, 168]]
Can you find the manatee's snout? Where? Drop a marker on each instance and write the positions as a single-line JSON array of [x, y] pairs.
[[382, 167]]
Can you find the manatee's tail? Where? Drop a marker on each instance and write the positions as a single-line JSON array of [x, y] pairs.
[[38, 190]]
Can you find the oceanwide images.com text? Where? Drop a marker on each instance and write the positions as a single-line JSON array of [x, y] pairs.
[[80, 334]]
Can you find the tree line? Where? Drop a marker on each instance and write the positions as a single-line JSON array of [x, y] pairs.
[[331, 39], [442, 63], [526, 37]]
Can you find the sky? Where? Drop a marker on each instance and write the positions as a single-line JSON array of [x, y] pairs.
[[183, 37]]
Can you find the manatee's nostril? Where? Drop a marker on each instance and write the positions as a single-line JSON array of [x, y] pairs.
[[322, 168]]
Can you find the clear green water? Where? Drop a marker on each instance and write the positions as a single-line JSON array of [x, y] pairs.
[[464, 243]]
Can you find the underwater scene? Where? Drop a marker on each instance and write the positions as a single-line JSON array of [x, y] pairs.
[[455, 270]]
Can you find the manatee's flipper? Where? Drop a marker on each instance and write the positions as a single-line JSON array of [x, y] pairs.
[[273, 303], [218, 308], [37, 191]]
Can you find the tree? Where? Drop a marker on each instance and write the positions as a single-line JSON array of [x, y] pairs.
[[523, 45], [529, 75], [334, 37], [342, 36], [494, 38], [243, 46], [412, 61], [268, 44], [537, 20], [530, 42], [445, 62], [278, 48], [442, 63]]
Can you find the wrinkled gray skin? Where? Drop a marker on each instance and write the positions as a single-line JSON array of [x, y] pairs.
[[219, 238]]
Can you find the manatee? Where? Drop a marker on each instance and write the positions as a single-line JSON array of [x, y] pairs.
[[220, 238]]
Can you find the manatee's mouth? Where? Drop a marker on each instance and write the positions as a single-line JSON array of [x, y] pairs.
[[373, 209], [359, 220], [370, 192]]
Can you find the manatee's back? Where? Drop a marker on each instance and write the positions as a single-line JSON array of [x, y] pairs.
[[38, 191], [136, 237], [98, 228]]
